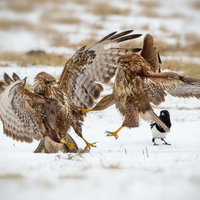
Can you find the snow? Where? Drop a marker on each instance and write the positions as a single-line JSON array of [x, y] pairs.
[[130, 167]]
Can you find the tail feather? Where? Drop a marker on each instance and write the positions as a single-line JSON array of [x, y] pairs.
[[150, 115]]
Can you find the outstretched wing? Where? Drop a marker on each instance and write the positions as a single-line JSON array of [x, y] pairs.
[[19, 119], [178, 86], [150, 53], [96, 64]]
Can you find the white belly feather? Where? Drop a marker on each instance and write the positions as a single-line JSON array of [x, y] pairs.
[[157, 134]]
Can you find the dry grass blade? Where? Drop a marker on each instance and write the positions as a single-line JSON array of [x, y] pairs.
[[43, 59]]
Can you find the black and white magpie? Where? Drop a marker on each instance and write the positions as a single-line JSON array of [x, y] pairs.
[[157, 131]]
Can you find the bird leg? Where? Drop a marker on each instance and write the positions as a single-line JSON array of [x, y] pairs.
[[104, 103], [67, 143], [40, 147], [83, 111], [153, 140], [88, 145], [114, 133], [165, 141]]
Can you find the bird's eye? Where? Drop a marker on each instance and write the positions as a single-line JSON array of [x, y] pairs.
[[49, 82]]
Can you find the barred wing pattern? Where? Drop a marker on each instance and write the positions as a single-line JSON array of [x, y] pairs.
[[19, 121], [86, 68], [175, 84]]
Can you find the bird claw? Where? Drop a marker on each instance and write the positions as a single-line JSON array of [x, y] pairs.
[[83, 111], [89, 145], [166, 144], [69, 145], [111, 134]]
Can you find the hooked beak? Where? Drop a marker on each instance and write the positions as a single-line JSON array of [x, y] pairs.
[[55, 82], [117, 63]]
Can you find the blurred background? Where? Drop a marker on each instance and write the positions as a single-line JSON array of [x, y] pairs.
[[48, 32]]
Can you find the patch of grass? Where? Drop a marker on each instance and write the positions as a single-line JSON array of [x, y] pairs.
[[72, 176], [196, 5], [193, 41], [163, 28], [192, 48], [106, 9], [149, 13], [189, 69], [58, 15], [11, 176], [175, 15], [149, 4], [145, 27], [97, 26], [84, 2], [112, 166], [59, 39], [43, 59], [20, 8], [8, 24], [89, 41], [25, 25], [63, 20]]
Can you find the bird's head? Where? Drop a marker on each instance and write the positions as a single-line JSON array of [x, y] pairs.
[[164, 113], [42, 82], [130, 60], [123, 61]]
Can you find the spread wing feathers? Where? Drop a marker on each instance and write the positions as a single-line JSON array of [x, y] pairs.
[[96, 64], [18, 119], [85, 91], [178, 86], [150, 53]]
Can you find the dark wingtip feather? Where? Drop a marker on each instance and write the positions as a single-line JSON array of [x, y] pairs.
[[82, 48], [159, 59], [7, 79], [16, 77], [107, 37], [121, 34], [2, 86], [128, 37]]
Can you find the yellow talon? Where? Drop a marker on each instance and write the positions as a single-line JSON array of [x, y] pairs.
[[85, 110], [114, 133], [68, 144], [89, 145]]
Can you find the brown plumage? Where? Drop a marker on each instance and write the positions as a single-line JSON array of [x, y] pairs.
[[138, 83], [52, 109]]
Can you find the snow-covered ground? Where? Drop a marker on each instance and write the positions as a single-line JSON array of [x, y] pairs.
[[126, 168], [130, 167]]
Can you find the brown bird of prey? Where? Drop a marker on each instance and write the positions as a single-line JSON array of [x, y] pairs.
[[52, 109], [139, 83]]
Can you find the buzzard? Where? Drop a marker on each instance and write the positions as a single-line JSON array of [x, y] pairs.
[[52, 109], [138, 83]]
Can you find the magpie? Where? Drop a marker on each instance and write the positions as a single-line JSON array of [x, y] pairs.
[[157, 131]]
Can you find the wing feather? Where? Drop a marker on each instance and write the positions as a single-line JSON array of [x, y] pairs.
[[175, 84], [96, 64], [150, 53], [19, 120]]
